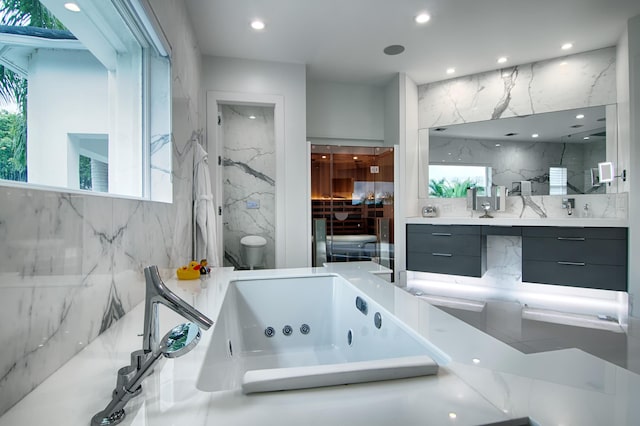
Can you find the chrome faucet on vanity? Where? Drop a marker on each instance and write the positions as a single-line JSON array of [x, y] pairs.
[[569, 204], [180, 340]]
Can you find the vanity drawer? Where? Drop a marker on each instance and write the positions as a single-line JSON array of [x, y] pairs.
[[443, 229], [575, 249], [578, 274], [467, 245], [446, 249], [575, 232], [445, 264]]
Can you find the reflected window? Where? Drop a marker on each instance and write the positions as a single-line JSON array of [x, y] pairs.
[[85, 97], [557, 180], [452, 181]]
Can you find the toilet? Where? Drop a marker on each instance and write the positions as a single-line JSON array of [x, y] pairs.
[[253, 250]]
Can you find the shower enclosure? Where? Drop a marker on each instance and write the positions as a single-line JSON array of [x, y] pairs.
[[352, 197]]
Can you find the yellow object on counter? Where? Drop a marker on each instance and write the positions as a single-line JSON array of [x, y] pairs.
[[189, 272]]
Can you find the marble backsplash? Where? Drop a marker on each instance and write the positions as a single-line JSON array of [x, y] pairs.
[[72, 264], [600, 206]]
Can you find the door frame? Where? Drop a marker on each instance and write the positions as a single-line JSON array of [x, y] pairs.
[[215, 148]]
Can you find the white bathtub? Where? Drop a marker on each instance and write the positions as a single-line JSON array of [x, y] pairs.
[[318, 337]]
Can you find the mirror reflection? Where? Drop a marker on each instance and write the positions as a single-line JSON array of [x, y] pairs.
[[557, 152]]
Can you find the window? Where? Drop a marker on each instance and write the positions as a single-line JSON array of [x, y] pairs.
[[92, 89]]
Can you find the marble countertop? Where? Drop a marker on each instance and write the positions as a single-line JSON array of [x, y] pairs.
[[511, 221], [486, 381]]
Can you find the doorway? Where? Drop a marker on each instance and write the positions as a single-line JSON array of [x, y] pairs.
[[352, 204], [248, 163]]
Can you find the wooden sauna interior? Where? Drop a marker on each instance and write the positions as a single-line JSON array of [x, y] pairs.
[[352, 187]]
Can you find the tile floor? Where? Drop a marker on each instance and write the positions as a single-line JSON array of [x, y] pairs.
[[503, 320]]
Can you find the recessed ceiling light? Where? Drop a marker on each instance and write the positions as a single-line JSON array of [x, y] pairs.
[[257, 25], [586, 138], [505, 74], [423, 18], [394, 49], [580, 116], [535, 135], [476, 361], [452, 415], [502, 60], [72, 7], [451, 70], [252, 117], [355, 158], [567, 46], [497, 144], [563, 63]]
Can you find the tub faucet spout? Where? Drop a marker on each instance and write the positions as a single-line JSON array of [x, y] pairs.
[[157, 292]]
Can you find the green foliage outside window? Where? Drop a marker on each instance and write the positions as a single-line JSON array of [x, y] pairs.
[[13, 156], [445, 189], [13, 89]]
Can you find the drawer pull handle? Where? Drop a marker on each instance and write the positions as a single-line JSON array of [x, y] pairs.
[[441, 234], [572, 263], [571, 238], [442, 254]]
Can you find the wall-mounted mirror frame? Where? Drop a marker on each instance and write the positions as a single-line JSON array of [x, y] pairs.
[[559, 150]]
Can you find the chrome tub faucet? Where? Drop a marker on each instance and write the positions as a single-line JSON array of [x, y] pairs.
[[177, 342]]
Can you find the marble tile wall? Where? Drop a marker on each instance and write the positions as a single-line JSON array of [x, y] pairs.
[[71, 264], [569, 82], [249, 180]]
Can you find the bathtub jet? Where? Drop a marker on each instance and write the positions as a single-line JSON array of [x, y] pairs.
[[305, 332]]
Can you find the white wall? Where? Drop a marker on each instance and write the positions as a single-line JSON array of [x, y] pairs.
[[408, 165], [288, 81], [77, 103], [348, 112], [392, 111], [629, 124]]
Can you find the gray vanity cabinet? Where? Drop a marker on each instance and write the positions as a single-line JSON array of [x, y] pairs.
[[446, 249], [578, 257]]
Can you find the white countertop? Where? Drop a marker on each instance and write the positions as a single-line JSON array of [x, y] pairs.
[[511, 221], [567, 387]]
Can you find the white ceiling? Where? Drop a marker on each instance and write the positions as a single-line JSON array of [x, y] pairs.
[[342, 40]]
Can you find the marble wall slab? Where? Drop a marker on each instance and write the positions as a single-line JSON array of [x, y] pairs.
[[72, 264], [569, 82], [249, 180]]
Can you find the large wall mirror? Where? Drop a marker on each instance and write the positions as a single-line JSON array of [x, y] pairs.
[[86, 95], [557, 152]]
